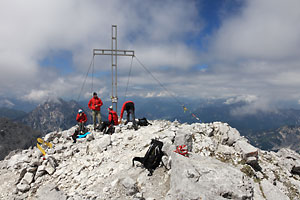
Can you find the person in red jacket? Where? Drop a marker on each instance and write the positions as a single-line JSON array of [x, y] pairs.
[[95, 104], [81, 118], [129, 107], [112, 120], [112, 116]]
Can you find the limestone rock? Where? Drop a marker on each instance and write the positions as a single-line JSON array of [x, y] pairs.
[[200, 177], [130, 186], [17, 160], [104, 142], [50, 192], [28, 178], [184, 138], [217, 167], [23, 187], [271, 192], [22, 174], [59, 148], [289, 159], [41, 170], [246, 149], [117, 129], [49, 169], [233, 136], [90, 137]]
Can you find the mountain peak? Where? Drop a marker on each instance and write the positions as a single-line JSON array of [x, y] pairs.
[[53, 115], [221, 164]]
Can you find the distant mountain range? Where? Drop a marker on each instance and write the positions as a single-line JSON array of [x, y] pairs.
[[283, 137], [53, 115], [11, 113], [14, 135], [266, 130]]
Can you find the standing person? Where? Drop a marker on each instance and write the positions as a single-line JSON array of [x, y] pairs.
[[129, 107], [112, 120], [94, 104], [81, 118]]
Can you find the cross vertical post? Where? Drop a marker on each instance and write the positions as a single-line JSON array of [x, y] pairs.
[[114, 52], [114, 81]]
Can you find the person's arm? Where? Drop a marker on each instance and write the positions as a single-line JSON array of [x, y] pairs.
[[77, 117], [84, 118], [122, 111], [90, 104], [110, 118], [115, 118]]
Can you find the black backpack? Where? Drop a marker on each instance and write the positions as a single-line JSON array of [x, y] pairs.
[[143, 122], [152, 158], [110, 130]]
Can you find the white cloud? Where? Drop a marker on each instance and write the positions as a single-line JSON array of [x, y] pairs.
[[255, 51], [243, 98], [31, 30], [264, 30], [37, 95], [6, 103], [253, 107]]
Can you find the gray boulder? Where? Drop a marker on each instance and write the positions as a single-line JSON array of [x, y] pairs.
[[28, 178], [271, 192], [249, 153], [290, 160], [104, 142], [130, 186], [50, 192], [23, 187], [184, 137], [200, 177], [41, 170], [233, 136]]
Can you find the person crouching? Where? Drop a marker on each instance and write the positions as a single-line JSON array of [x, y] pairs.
[[81, 118], [112, 120]]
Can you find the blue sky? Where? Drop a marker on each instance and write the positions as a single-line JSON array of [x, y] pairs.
[[237, 50]]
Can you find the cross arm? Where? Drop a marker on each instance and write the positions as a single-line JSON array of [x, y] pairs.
[[113, 52]]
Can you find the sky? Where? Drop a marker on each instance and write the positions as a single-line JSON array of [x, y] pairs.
[[237, 50]]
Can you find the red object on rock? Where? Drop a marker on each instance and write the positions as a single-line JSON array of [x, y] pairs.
[[182, 150]]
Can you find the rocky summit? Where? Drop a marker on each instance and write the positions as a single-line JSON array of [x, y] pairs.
[[220, 164]]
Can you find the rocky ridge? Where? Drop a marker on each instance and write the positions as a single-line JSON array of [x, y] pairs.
[[283, 137], [52, 115], [15, 136], [221, 165]]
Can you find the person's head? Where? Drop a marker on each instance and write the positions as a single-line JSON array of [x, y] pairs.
[[110, 108], [80, 111], [94, 94]]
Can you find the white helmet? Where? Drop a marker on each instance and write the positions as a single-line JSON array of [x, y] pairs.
[[80, 111]]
